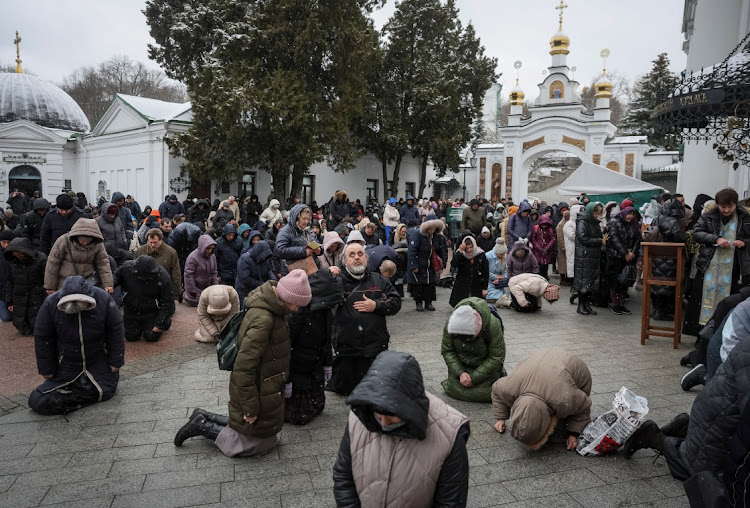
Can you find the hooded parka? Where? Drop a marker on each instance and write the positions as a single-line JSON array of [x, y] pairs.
[[170, 207], [253, 269], [588, 249], [291, 241], [227, 254], [113, 234], [421, 464], [85, 259], [272, 213], [481, 356], [410, 213], [543, 240], [199, 213], [333, 246], [31, 222], [200, 270], [527, 263], [421, 246], [55, 225], [25, 286], [256, 385], [217, 305], [519, 226]]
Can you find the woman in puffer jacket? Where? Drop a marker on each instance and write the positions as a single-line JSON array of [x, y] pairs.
[[622, 250], [473, 348], [333, 246], [521, 260], [543, 241], [200, 270], [569, 235], [588, 253], [216, 307], [497, 285], [253, 269], [293, 240]]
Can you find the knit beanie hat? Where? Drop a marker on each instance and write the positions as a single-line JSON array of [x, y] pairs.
[[294, 288], [7, 234], [500, 247], [573, 201], [64, 202], [552, 293], [356, 236], [465, 321]]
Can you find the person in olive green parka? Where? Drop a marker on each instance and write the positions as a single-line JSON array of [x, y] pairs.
[[474, 351]]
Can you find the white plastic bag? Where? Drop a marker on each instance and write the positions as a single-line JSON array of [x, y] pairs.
[[609, 431]]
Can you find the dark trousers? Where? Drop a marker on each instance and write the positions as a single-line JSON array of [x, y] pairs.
[[676, 463], [142, 324], [533, 305], [227, 282], [80, 393], [544, 271], [423, 292], [347, 373]]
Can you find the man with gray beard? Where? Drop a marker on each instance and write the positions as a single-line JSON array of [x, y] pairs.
[[359, 332]]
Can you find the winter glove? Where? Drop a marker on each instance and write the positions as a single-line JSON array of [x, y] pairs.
[[288, 390], [327, 373]]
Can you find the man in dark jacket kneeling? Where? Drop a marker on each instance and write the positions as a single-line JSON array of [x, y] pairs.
[[402, 446], [148, 301], [79, 346]]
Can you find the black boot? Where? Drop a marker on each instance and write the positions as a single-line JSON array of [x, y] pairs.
[[582, 306], [587, 303], [419, 307], [678, 427], [685, 361], [647, 435], [428, 306], [696, 376], [211, 417], [197, 426], [573, 297]]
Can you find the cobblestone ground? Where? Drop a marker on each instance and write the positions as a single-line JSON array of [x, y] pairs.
[[120, 453]]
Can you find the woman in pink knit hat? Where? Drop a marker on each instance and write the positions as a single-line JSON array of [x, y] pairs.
[[257, 382]]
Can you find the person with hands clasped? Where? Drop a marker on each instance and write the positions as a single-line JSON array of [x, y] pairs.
[[589, 243], [260, 372]]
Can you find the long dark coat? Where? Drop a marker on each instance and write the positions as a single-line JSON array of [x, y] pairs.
[[588, 251], [25, 287], [419, 254], [670, 227], [622, 239], [706, 232], [472, 275]]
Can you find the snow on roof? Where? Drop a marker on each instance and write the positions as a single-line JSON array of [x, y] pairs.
[[153, 109], [663, 152], [628, 140]]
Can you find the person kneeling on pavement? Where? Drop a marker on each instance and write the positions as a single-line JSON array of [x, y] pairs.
[[527, 291], [474, 351], [217, 305], [550, 384], [402, 446], [79, 345], [148, 303], [310, 336], [256, 385], [710, 449]]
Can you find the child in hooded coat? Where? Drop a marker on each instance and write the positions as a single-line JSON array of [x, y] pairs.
[[544, 241], [472, 272], [497, 285]]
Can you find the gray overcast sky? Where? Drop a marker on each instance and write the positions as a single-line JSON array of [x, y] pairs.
[[60, 36]]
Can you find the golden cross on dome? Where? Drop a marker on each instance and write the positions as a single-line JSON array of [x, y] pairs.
[[17, 42], [561, 8]]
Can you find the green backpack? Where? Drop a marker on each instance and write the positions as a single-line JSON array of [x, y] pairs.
[[226, 349]]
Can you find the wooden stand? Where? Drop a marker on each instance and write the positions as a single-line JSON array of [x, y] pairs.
[[660, 250]]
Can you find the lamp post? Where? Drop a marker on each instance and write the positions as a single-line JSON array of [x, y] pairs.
[[473, 163]]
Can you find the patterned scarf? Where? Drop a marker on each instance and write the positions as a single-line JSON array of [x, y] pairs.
[[717, 281]]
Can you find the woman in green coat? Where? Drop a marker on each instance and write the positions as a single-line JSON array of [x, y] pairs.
[[259, 375], [474, 351]]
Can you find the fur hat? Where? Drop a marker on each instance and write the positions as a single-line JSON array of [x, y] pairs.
[[7, 234], [294, 289], [465, 320], [500, 247], [64, 202], [552, 293]]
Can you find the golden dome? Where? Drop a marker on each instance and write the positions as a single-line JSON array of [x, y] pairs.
[[517, 96], [603, 87], [559, 43]]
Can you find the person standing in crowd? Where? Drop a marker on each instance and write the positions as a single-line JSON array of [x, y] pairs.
[[310, 336], [427, 256], [723, 261], [254, 268], [123, 212], [474, 350], [589, 243], [57, 222], [148, 303], [399, 236], [80, 252], [359, 332], [520, 224], [200, 270], [333, 246], [6, 236], [133, 206], [170, 207], [17, 202], [472, 272], [474, 218], [113, 233], [79, 345], [410, 213], [223, 217], [217, 305], [253, 210], [562, 254], [293, 240], [235, 209], [272, 213], [228, 250], [31, 222], [256, 385], [521, 260], [569, 234], [199, 213], [622, 251], [497, 285], [391, 217], [425, 439], [548, 385], [165, 255], [24, 291], [543, 241]]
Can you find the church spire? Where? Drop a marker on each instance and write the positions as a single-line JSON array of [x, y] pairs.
[[561, 8], [17, 42]]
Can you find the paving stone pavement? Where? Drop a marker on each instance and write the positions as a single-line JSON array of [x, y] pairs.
[[120, 453]]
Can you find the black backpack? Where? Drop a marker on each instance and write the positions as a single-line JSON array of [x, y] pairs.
[[226, 348]]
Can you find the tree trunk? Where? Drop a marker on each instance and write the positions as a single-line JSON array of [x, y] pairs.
[[396, 169], [298, 172], [279, 187], [385, 180], [422, 177]]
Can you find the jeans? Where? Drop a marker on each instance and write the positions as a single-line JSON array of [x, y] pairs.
[[5, 314]]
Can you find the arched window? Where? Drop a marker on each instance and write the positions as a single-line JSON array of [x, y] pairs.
[[26, 179], [101, 189], [557, 90], [614, 166]]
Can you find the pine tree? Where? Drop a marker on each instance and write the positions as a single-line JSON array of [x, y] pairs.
[[278, 85], [638, 121]]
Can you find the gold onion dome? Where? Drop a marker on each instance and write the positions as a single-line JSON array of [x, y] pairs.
[[559, 43], [517, 96], [603, 87]]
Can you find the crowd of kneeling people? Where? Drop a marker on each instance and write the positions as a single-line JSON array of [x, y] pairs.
[[315, 321]]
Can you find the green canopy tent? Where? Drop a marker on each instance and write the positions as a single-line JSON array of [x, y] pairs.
[[602, 184]]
